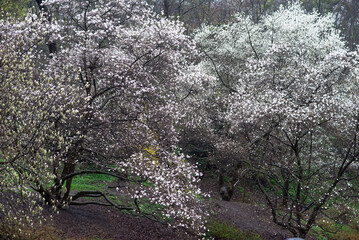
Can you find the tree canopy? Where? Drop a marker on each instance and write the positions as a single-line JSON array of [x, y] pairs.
[[110, 87]]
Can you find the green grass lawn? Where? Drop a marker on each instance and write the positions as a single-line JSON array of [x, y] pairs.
[[94, 182]]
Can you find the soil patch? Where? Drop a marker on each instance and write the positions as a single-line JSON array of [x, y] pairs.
[[247, 217], [92, 221]]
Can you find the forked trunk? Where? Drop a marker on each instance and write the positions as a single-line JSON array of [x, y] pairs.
[[68, 169]]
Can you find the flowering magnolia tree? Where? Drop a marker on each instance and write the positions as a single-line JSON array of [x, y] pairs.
[[286, 99], [29, 101], [104, 91]]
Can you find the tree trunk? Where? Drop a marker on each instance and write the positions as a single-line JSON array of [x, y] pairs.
[[285, 193], [52, 46], [225, 189], [166, 8], [285, 190], [244, 189], [68, 169]]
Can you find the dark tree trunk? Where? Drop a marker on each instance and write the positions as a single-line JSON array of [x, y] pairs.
[[285, 190], [226, 189], [285, 193], [166, 8], [52, 46], [68, 169], [244, 193]]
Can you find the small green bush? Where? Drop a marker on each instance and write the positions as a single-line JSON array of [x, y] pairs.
[[224, 231]]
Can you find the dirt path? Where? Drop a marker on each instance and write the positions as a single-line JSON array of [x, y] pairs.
[[97, 222], [91, 221], [247, 217], [88, 222]]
